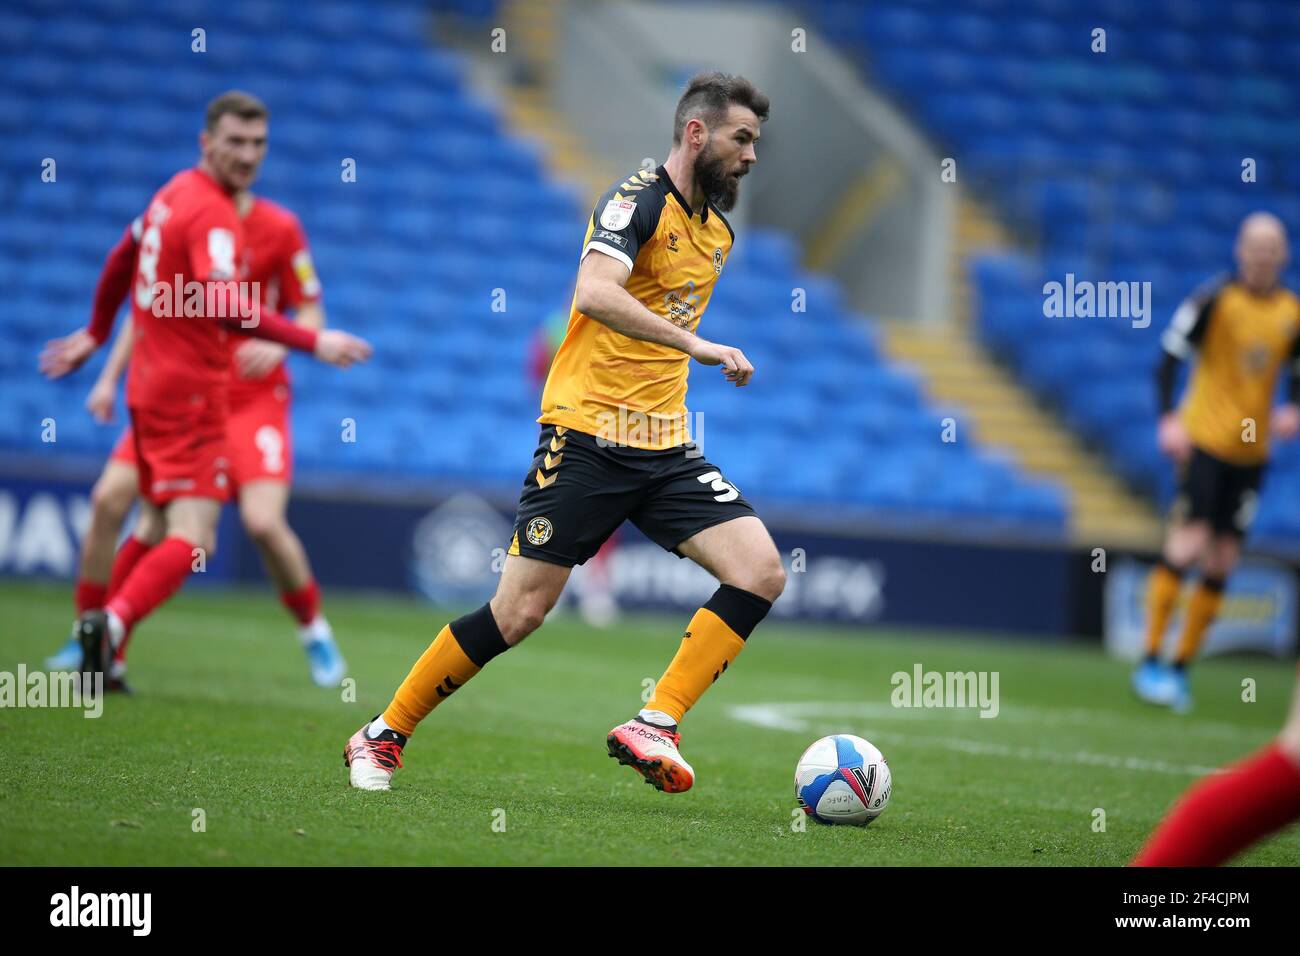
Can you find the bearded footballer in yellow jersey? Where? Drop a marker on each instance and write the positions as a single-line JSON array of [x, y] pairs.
[[614, 447], [1245, 330]]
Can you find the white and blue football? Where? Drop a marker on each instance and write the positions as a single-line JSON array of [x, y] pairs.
[[842, 779]]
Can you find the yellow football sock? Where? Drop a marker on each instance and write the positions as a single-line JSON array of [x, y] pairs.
[[460, 651], [1163, 585], [1201, 611], [713, 639]]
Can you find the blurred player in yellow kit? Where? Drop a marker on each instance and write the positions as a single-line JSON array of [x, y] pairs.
[[1244, 329]]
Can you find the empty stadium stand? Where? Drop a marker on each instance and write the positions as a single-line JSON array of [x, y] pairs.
[[448, 206]]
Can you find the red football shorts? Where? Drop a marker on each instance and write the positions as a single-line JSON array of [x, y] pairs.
[[259, 440], [181, 452], [124, 450]]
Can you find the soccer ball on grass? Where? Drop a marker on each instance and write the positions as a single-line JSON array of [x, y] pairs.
[[842, 779]]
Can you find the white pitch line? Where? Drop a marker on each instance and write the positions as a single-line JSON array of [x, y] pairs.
[[796, 718], [1036, 754]]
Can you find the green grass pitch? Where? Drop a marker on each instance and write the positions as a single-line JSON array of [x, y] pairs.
[[225, 721]]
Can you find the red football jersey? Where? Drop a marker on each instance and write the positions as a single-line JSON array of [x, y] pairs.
[[279, 261], [191, 233]]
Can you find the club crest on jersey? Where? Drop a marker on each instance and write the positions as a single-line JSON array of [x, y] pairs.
[[617, 214], [717, 261], [158, 213], [538, 531], [1258, 357]]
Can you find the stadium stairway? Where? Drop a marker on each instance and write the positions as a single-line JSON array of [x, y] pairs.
[[1127, 166], [959, 372], [522, 85], [977, 228], [527, 104]]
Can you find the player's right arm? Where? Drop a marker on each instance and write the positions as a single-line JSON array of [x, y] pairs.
[[1183, 336], [602, 296], [606, 265], [67, 354]]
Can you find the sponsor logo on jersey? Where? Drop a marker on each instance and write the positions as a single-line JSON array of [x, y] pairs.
[[679, 305], [175, 484], [604, 235], [221, 251], [717, 261]]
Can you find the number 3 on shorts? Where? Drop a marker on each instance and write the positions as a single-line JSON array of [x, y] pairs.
[[715, 481]]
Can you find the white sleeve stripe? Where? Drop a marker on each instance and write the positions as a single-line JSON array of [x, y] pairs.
[[1175, 339], [607, 250], [1185, 318], [1175, 344]]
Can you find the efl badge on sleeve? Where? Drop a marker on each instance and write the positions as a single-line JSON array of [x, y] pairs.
[[617, 214], [306, 273]]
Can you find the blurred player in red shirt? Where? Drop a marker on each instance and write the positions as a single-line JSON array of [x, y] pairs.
[[190, 293], [258, 434], [1225, 813]]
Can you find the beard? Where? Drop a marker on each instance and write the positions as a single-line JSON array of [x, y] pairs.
[[716, 180]]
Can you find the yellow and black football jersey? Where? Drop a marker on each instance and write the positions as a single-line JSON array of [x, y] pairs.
[[675, 257], [1243, 340]]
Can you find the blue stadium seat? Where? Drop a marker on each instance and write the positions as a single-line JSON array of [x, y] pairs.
[[413, 253], [1015, 86]]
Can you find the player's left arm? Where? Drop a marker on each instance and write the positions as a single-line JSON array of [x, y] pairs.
[[215, 242], [300, 293], [258, 358], [1286, 417], [104, 393], [329, 345]]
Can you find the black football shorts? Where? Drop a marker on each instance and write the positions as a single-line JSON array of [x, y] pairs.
[[578, 491], [1216, 491]]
